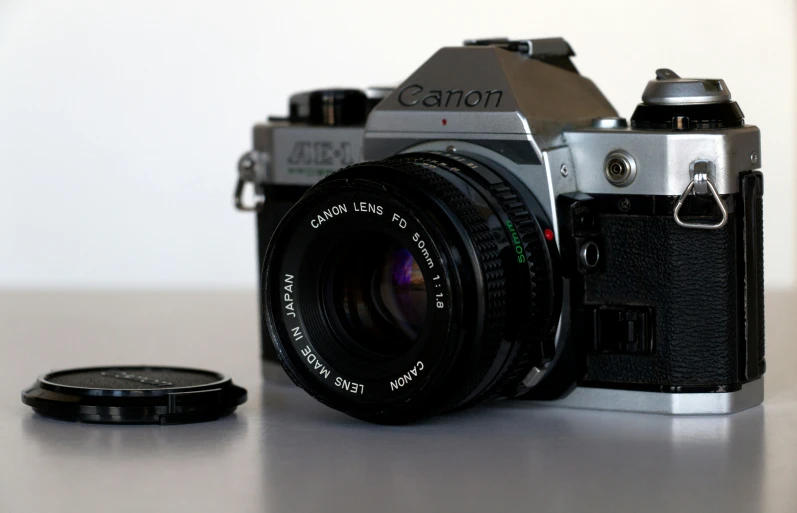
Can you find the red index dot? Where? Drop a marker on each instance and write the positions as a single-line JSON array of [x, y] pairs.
[[548, 234], [445, 122]]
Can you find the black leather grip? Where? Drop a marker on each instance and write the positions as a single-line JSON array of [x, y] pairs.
[[703, 289]]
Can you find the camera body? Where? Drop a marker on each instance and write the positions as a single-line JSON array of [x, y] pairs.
[[653, 228]]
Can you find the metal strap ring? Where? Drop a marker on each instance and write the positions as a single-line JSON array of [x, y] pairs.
[[238, 198], [247, 175], [717, 198]]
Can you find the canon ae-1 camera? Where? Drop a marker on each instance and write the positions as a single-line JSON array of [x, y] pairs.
[[492, 229]]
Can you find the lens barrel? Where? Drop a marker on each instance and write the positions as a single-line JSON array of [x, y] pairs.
[[416, 285]]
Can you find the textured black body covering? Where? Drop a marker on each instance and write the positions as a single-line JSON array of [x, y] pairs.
[[704, 288]]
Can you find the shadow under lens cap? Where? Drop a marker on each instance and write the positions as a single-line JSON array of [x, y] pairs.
[[138, 394]]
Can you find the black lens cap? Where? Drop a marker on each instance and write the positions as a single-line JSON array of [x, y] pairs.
[[138, 394]]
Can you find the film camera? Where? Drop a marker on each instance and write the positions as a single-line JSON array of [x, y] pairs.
[[497, 231]]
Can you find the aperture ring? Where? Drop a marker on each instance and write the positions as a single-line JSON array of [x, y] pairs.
[[529, 233]]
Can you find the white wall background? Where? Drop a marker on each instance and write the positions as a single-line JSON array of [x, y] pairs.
[[121, 122]]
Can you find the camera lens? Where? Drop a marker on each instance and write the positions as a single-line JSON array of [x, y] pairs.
[[399, 289], [377, 294]]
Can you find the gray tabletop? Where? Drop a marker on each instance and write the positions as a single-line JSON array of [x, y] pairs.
[[282, 452]]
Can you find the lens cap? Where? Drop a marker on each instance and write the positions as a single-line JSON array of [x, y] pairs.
[[138, 394]]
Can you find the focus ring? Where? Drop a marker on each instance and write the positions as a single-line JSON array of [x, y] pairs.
[[489, 258]]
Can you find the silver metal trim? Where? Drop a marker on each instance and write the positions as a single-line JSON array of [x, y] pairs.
[[662, 158], [533, 377], [610, 123], [504, 87], [302, 154], [715, 403], [378, 92]]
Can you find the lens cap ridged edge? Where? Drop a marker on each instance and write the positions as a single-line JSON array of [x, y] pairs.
[[157, 405]]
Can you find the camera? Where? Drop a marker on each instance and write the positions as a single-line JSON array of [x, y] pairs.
[[492, 229]]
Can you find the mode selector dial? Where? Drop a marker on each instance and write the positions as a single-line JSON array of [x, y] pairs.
[[670, 89], [673, 103], [329, 107]]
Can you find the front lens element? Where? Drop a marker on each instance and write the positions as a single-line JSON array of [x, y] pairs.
[[378, 294]]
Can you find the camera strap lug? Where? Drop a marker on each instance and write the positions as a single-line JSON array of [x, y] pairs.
[[701, 184], [252, 167]]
